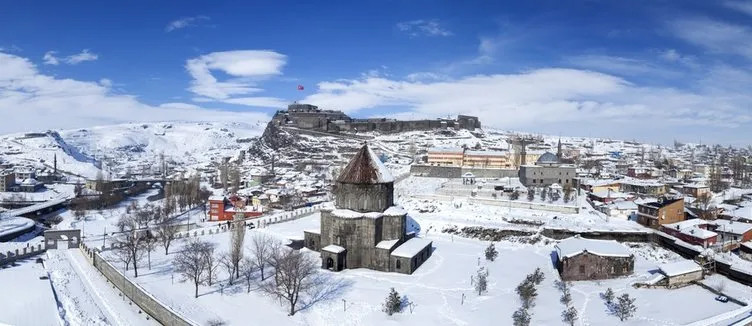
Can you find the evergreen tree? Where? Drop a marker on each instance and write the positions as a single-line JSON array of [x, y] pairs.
[[481, 280], [530, 194], [393, 303], [569, 316], [608, 295], [491, 252], [625, 307], [521, 317]]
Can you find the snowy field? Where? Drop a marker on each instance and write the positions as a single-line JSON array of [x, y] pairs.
[[24, 298], [436, 288]]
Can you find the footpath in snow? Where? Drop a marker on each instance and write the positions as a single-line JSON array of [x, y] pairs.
[[85, 296]]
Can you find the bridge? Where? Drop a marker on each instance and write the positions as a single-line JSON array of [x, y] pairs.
[[39, 208]]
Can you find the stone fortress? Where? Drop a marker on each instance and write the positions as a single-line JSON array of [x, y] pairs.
[[365, 229], [310, 117]]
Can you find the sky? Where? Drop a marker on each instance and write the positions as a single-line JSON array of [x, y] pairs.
[[653, 71]]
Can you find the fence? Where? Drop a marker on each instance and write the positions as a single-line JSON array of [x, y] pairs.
[[150, 305], [11, 256]]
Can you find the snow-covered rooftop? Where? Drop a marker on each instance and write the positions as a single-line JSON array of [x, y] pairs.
[[346, 213], [411, 248], [365, 167], [575, 245], [679, 268], [333, 249], [387, 244]]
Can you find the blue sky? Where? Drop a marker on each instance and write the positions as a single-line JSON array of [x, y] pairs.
[[648, 70]]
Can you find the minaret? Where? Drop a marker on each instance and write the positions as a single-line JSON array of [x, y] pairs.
[[558, 150], [523, 152], [54, 165]]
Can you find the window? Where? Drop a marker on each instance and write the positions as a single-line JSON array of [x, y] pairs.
[[582, 269], [533, 180], [398, 264]]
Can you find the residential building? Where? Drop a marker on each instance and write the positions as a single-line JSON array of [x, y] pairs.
[[223, 208], [691, 231], [696, 190], [30, 185], [644, 187], [663, 211], [7, 180], [580, 259]]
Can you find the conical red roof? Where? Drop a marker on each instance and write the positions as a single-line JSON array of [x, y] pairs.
[[364, 168]]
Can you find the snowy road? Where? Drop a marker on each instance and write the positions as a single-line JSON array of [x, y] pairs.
[[85, 295]]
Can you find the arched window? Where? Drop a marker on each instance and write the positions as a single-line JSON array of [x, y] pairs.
[[398, 264]]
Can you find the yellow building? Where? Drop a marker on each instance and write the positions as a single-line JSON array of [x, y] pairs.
[[461, 157], [492, 160], [446, 156]]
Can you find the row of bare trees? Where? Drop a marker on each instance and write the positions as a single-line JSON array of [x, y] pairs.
[[289, 275], [140, 230], [181, 195]]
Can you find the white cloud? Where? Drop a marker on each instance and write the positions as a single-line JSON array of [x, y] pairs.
[[246, 69], [85, 55], [30, 101], [713, 35], [422, 27], [184, 22], [743, 6], [49, 58], [550, 100]]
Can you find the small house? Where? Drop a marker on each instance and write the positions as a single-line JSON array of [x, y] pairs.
[[580, 259], [679, 273]]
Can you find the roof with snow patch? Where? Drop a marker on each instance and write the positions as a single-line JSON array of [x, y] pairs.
[[679, 268], [365, 168], [575, 245], [411, 247]]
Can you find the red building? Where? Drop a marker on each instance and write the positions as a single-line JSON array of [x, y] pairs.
[[692, 231], [222, 208]]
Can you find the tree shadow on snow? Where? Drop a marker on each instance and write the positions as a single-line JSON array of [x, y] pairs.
[[327, 288]]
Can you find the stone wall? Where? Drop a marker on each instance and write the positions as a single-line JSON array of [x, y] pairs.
[[358, 235], [163, 314], [588, 266], [20, 253], [364, 198], [621, 236], [540, 176]]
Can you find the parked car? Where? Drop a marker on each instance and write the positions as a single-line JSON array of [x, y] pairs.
[[722, 298]]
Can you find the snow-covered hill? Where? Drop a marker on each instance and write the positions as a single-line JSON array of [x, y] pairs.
[[129, 147]]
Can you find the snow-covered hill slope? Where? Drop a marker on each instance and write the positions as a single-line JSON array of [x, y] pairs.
[[134, 147]]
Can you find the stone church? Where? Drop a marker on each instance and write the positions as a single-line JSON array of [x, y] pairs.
[[364, 229]]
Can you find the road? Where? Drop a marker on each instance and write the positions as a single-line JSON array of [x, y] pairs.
[[85, 296]]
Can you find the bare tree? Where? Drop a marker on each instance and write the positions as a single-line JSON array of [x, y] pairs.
[[191, 262], [168, 230], [296, 273], [212, 263], [246, 269], [237, 239], [131, 241], [226, 263], [703, 203], [262, 247]]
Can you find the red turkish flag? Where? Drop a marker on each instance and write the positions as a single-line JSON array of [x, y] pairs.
[[300, 87]]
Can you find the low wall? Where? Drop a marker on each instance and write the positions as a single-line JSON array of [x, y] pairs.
[[621, 236], [507, 203], [134, 292], [434, 171], [20, 253]]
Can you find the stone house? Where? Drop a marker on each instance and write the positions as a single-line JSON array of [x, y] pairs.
[[580, 259], [679, 273], [364, 229]]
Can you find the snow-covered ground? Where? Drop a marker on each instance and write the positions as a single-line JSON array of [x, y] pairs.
[[436, 288], [24, 298]]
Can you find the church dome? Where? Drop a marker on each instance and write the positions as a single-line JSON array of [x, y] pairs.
[[365, 168], [547, 158]]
